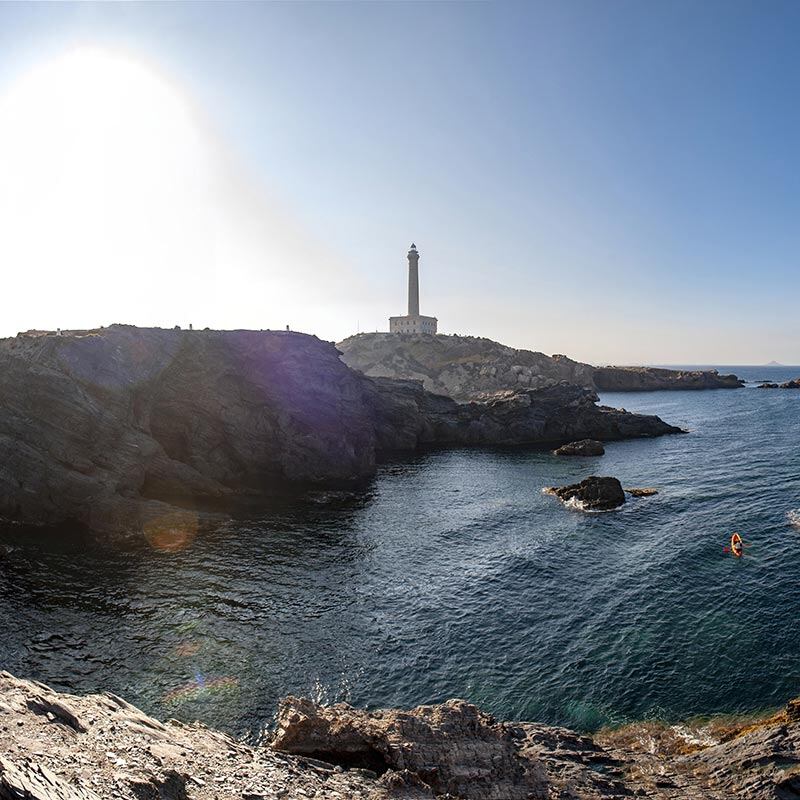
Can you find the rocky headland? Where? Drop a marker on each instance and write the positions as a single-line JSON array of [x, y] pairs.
[[125, 430], [651, 379], [470, 367], [65, 747]]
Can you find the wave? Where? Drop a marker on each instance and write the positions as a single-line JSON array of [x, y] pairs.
[[794, 517], [579, 505]]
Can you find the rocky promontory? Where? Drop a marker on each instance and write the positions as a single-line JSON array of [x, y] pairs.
[[470, 367], [99, 747], [121, 430], [651, 379]]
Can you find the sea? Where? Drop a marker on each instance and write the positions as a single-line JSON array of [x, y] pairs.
[[453, 575]]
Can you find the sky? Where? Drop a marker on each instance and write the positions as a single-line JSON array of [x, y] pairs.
[[615, 180]]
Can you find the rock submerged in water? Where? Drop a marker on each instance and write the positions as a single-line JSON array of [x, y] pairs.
[[585, 447], [592, 494]]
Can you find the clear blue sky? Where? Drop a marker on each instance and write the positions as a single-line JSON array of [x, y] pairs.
[[617, 181]]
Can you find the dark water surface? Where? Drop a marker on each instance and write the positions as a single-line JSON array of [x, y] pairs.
[[453, 575]]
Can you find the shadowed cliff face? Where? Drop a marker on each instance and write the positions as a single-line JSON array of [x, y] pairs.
[[107, 428], [112, 429], [470, 367]]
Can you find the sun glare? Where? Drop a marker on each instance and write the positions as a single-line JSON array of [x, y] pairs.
[[119, 202], [104, 170]]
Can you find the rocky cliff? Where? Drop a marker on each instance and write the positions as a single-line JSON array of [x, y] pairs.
[[469, 367], [64, 747], [114, 429]]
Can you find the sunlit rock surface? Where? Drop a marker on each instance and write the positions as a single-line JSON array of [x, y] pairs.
[[469, 367], [124, 430], [65, 747]]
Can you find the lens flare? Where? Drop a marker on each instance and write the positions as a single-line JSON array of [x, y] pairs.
[[201, 688], [188, 649], [171, 532]]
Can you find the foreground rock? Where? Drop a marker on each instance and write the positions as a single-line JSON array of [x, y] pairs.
[[585, 447], [451, 749], [469, 367], [64, 747], [126, 430], [592, 493]]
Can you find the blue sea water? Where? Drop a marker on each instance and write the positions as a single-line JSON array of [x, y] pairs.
[[454, 575]]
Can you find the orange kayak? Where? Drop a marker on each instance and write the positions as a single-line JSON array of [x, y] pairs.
[[736, 545]]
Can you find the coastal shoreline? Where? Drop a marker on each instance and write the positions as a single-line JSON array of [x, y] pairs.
[[89, 747]]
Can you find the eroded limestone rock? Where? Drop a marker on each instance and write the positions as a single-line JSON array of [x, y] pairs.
[[452, 748]]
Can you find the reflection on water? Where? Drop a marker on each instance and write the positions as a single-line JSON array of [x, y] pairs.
[[453, 575]]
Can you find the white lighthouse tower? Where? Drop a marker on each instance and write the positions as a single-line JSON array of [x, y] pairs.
[[413, 322]]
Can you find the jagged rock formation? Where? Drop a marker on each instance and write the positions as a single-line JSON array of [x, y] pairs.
[[592, 493], [99, 747], [585, 447], [451, 749], [408, 416], [455, 748], [114, 429], [470, 367], [64, 747], [461, 367]]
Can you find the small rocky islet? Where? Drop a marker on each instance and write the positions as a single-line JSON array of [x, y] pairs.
[[597, 493], [792, 384], [585, 447]]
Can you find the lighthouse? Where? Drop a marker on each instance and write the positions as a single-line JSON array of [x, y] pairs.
[[413, 322]]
